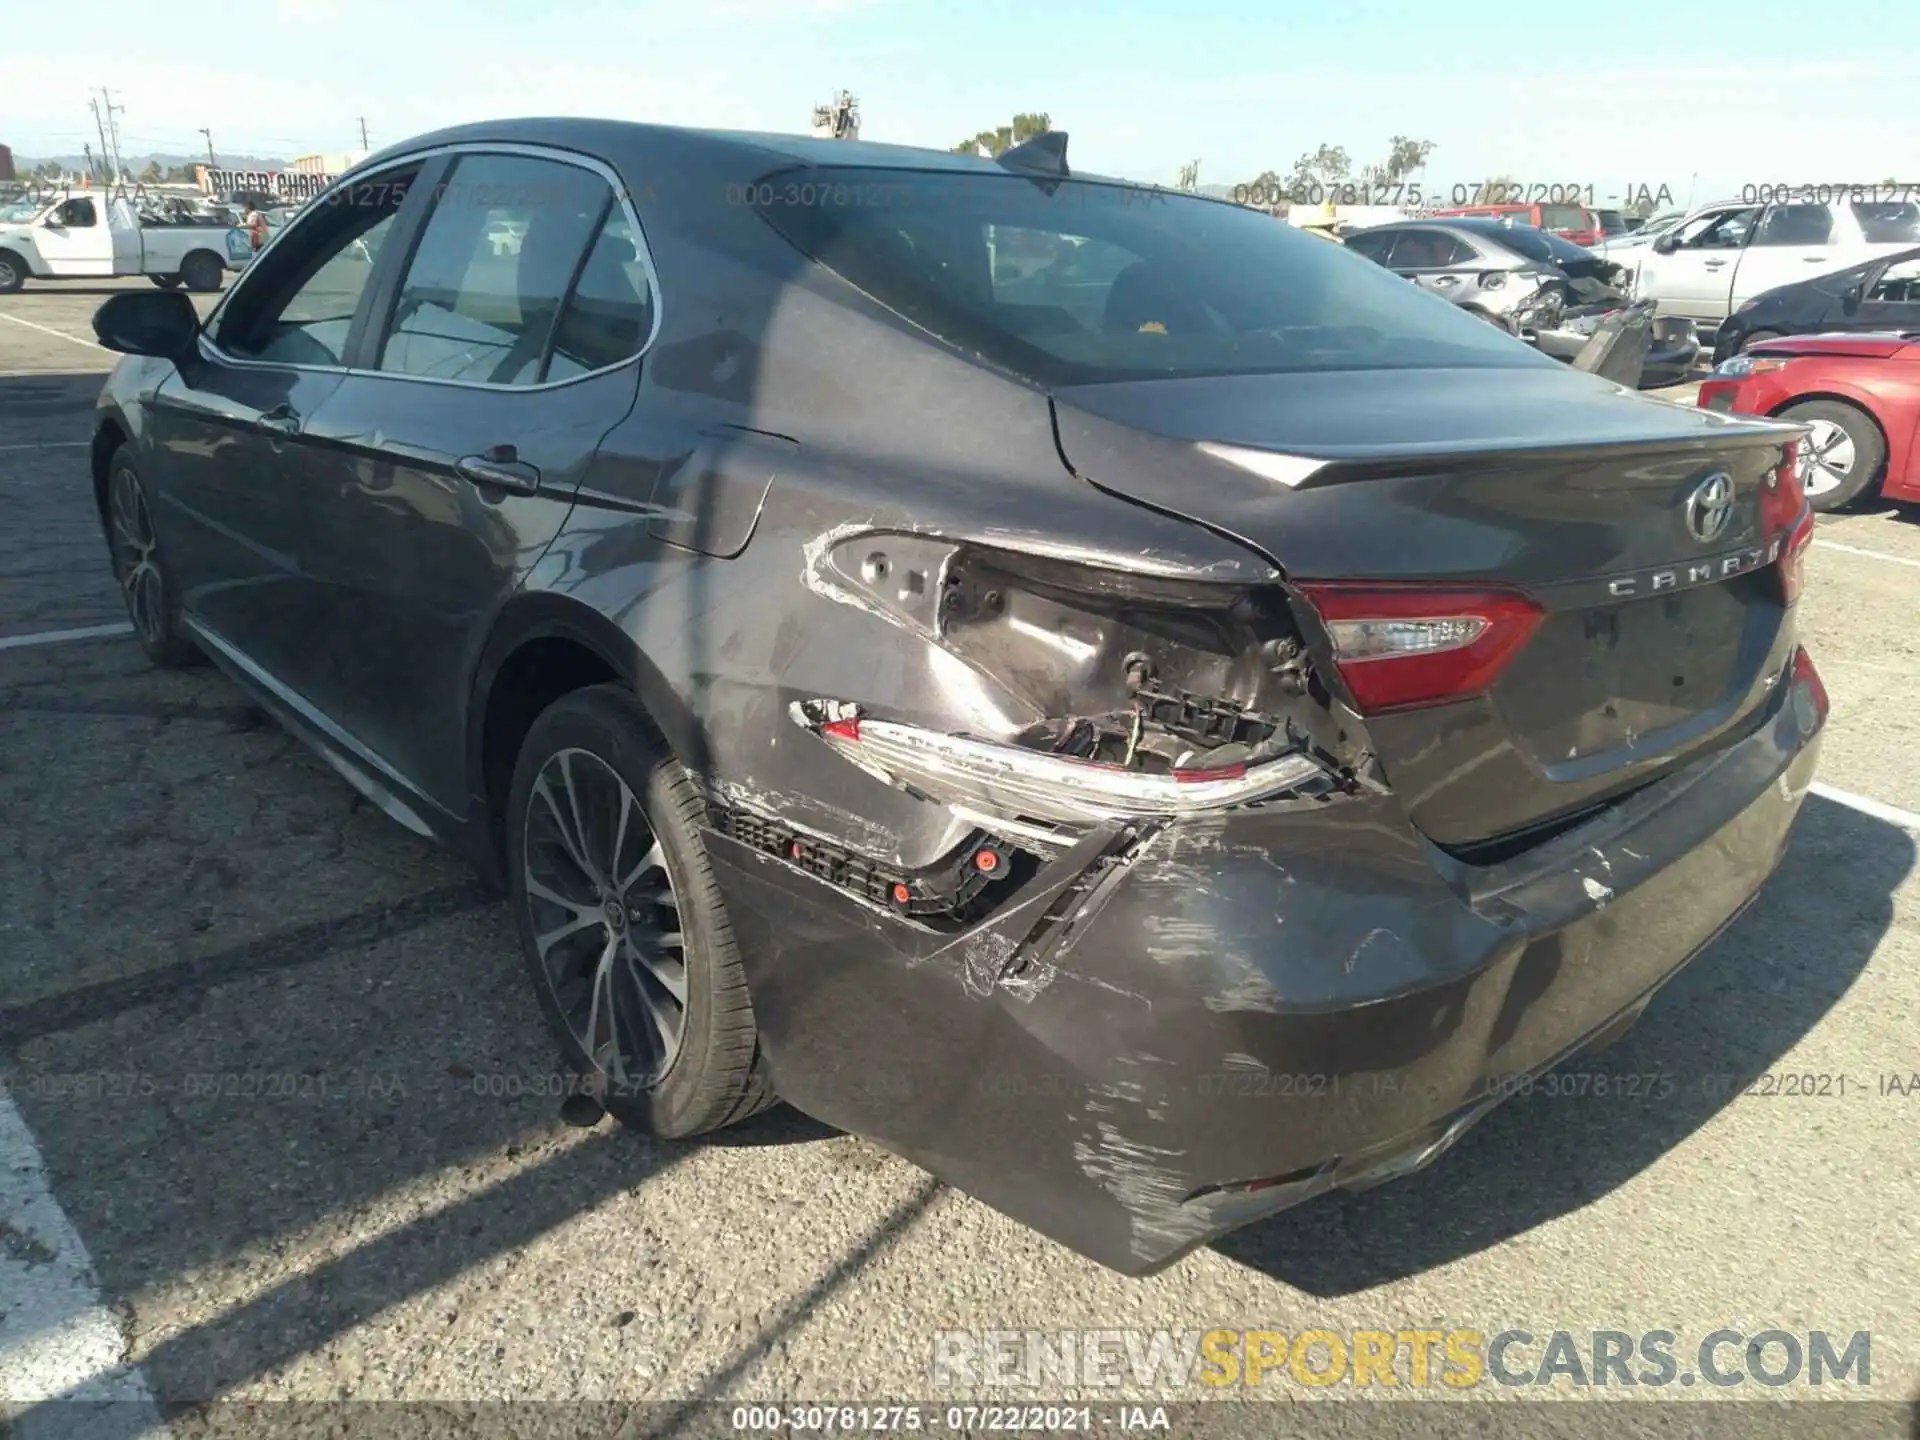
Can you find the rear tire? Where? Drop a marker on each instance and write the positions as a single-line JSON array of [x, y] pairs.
[[1844, 456], [13, 272], [166, 282], [608, 871], [202, 271], [152, 597]]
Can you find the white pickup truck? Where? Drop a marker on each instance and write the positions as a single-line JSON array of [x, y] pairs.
[[1723, 255], [80, 235]]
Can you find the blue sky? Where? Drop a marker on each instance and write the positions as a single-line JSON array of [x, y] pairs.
[[1608, 94]]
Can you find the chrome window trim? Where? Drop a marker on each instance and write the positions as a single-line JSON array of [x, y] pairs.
[[421, 157]]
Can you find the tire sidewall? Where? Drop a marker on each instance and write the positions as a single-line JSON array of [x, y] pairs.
[[615, 730], [13, 272], [1757, 337]]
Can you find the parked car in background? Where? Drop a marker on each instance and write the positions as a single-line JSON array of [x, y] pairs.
[[1543, 288], [1611, 223], [1723, 255], [1882, 294], [1629, 249], [1476, 265], [865, 678], [1569, 222], [1858, 394]]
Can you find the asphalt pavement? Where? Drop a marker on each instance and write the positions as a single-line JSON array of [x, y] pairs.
[[287, 1090]]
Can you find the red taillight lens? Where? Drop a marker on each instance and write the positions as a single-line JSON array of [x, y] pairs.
[[1793, 562], [1806, 676], [1403, 646]]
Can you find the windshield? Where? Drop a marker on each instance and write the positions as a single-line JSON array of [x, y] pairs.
[[1088, 282], [1565, 217], [19, 212]]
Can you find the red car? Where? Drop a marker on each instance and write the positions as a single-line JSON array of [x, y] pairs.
[[1859, 396], [1569, 222]]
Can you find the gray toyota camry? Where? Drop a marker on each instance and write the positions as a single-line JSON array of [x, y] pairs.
[[1139, 710]]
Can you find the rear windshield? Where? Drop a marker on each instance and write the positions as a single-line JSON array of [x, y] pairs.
[[1564, 217], [1884, 221], [1081, 282]]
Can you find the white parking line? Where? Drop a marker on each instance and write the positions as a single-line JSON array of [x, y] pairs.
[[49, 445], [58, 1341], [60, 637], [1869, 554], [58, 334], [1892, 814]]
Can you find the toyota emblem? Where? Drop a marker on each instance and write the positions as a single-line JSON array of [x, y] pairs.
[[1710, 506]]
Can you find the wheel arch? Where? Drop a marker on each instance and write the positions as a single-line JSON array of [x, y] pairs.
[[109, 434], [543, 646]]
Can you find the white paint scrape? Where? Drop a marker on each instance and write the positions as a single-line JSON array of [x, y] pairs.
[[58, 1341]]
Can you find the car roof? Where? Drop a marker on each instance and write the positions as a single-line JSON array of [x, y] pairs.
[[610, 136]]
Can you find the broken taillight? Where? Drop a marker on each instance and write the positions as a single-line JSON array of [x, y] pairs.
[[984, 776], [1784, 507], [1399, 647]]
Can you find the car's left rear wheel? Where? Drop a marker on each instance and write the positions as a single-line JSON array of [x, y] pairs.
[[145, 584], [622, 924]]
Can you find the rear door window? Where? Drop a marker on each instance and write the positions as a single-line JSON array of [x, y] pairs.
[[1795, 225], [496, 257], [609, 316], [1428, 250]]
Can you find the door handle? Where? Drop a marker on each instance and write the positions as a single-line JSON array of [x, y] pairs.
[[1716, 264], [279, 421], [501, 468]]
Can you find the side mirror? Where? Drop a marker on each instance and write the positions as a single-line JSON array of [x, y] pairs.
[[1850, 301], [1666, 244], [163, 324]]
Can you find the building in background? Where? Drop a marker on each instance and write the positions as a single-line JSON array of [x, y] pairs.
[[6, 164], [328, 164], [839, 119]]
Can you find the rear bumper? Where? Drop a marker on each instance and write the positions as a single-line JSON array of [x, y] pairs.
[[1310, 997]]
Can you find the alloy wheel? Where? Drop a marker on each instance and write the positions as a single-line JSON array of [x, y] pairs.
[[137, 559], [606, 921], [1826, 457]]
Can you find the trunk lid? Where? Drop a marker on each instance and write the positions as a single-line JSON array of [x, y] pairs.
[[1657, 644]]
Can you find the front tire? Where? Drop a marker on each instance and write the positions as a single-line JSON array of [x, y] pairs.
[[1844, 455], [153, 603], [202, 271], [1758, 337], [622, 925]]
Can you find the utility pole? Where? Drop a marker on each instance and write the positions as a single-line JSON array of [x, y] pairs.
[[839, 118], [100, 129], [112, 138], [90, 172], [211, 160], [363, 134]]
